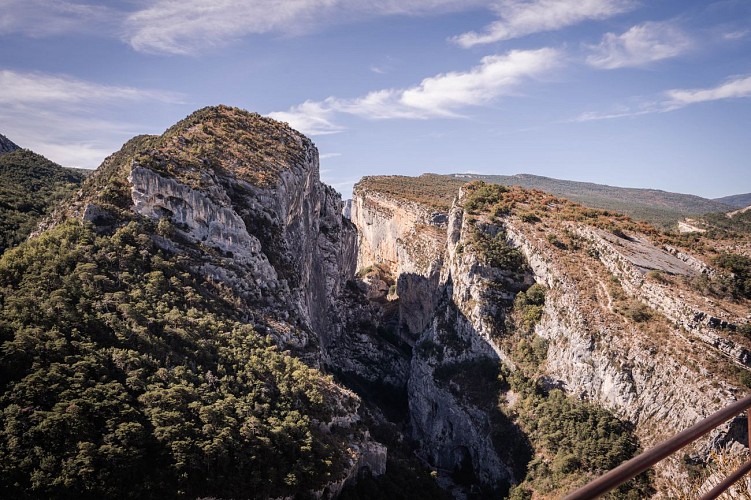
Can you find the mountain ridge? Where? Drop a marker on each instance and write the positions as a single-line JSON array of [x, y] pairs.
[[659, 207], [31, 187], [736, 200]]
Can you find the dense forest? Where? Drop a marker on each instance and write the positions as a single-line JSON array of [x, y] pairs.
[[122, 375], [30, 187]]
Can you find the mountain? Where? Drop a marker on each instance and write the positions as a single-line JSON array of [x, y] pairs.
[[6, 145], [658, 207], [737, 200], [200, 320], [30, 187]]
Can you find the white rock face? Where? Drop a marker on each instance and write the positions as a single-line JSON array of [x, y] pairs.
[[658, 384], [286, 245], [201, 218], [699, 321], [411, 241], [404, 236]]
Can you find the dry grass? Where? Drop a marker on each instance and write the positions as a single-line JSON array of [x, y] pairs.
[[721, 464], [431, 190]]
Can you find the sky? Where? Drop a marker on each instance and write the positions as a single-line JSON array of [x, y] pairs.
[[633, 93]]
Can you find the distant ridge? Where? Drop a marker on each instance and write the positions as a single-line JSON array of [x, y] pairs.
[[662, 208], [736, 200], [6, 145]]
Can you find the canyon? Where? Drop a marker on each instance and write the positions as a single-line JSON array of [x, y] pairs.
[[411, 308]]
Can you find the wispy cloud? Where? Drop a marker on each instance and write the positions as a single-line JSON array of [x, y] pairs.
[[736, 35], [326, 156], [38, 18], [640, 45], [733, 88], [25, 88], [443, 95], [523, 17], [310, 117], [189, 26], [50, 113], [674, 99]]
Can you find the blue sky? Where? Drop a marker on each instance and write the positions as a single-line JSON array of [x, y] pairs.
[[637, 93]]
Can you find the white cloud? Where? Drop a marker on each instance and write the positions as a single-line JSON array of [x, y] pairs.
[[443, 95], [524, 17], [326, 156], [50, 114], [38, 18], [189, 26], [640, 45], [736, 35], [24, 88], [674, 99], [313, 118], [733, 88]]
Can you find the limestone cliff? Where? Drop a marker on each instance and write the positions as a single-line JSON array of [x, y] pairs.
[[662, 375]]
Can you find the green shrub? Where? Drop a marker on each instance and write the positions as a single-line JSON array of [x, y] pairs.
[[528, 306], [481, 196], [496, 251], [530, 218], [636, 311], [123, 375], [740, 267]]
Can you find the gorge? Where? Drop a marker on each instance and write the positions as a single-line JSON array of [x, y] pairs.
[[200, 316]]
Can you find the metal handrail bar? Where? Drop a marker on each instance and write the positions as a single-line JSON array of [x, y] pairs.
[[644, 461]]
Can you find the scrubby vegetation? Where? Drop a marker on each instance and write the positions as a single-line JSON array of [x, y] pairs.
[[720, 225], [495, 250], [532, 206], [431, 190], [123, 375], [574, 441], [255, 147], [30, 187], [660, 208], [528, 307], [739, 267]]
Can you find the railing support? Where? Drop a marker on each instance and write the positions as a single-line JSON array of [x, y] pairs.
[[642, 462]]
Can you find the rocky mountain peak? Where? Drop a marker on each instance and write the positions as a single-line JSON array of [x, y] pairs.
[[6, 145], [227, 140]]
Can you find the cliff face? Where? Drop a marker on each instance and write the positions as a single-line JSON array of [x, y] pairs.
[[662, 374], [407, 239], [657, 377]]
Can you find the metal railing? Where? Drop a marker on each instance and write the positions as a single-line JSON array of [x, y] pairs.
[[640, 463]]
